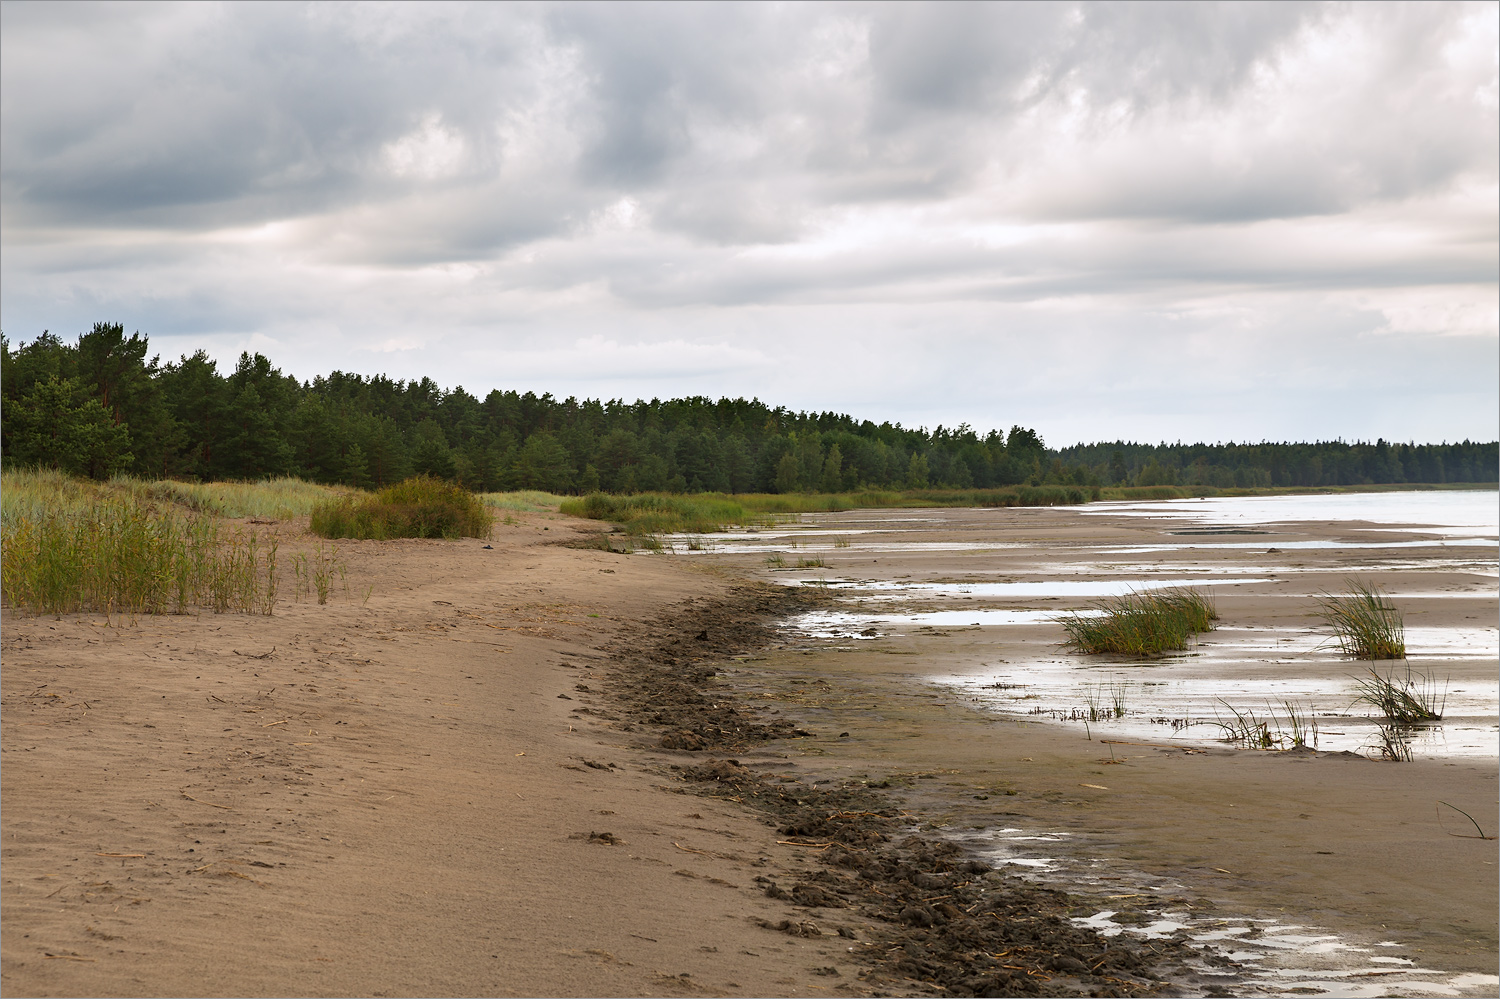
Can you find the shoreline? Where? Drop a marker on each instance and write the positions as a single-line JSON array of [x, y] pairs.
[[1355, 846], [397, 797]]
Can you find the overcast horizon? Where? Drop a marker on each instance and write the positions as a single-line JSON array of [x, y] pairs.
[[1149, 222]]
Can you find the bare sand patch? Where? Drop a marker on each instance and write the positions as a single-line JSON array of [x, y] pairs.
[[391, 797]]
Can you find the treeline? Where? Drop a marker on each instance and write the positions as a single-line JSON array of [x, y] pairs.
[[1325, 463], [101, 406]]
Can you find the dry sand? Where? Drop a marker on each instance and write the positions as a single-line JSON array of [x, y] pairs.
[[394, 801], [398, 796]]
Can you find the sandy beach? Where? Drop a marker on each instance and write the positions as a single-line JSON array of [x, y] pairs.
[[469, 782]]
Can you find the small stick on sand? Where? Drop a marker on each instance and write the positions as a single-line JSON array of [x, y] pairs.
[[792, 842], [68, 957], [685, 849], [209, 803], [119, 854], [1465, 815]]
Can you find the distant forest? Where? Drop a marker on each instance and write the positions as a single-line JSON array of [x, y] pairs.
[[99, 407]]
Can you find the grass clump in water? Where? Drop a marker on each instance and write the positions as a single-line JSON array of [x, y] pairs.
[[1402, 700], [1142, 624], [1244, 729], [421, 507], [1365, 623]]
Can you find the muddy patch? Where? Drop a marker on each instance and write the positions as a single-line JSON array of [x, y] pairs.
[[946, 922]]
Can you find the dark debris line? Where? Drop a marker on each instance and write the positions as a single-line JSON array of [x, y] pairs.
[[951, 924]]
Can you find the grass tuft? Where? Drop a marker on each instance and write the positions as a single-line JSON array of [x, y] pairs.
[[1142, 624], [420, 507], [1365, 623], [1245, 729], [1411, 699]]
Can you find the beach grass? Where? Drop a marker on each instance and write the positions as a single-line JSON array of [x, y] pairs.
[[420, 507], [523, 501], [1296, 729], [703, 513], [1142, 624], [1365, 623], [32, 493], [651, 514], [1406, 698], [130, 556]]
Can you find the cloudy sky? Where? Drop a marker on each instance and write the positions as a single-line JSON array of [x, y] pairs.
[[1140, 221]]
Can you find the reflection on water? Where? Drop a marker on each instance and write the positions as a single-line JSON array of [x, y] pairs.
[[1274, 958], [1469, 512], [1043, 588], [1295, 960], [1300, 545], [843, 624], [1189, 699]]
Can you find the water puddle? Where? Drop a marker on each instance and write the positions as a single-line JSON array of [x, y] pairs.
[[846, 624], [1320, 544], [1197, 699], [1045, 588], [681, 544], [1288, 959], [1274, 958], [1474, 513]]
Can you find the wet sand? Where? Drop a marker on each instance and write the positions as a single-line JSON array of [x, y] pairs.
[[1356, 850], [436, 791]]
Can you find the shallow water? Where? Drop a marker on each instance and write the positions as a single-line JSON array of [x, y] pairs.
[[1273, 542], [1045, 588], [1006, 656], [1249, 670], [1452, 513], [1276, 957]]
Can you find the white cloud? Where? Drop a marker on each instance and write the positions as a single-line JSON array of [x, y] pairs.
[[430, 152], [1102, 219]]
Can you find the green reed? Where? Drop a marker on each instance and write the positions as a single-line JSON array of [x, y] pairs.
[[1142, 624], [1365, 623], [1409, 699]]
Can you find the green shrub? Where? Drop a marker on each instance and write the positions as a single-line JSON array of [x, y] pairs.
[[1142, 624], [420, 507]]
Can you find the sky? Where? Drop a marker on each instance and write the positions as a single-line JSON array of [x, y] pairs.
[[1150, 222]]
